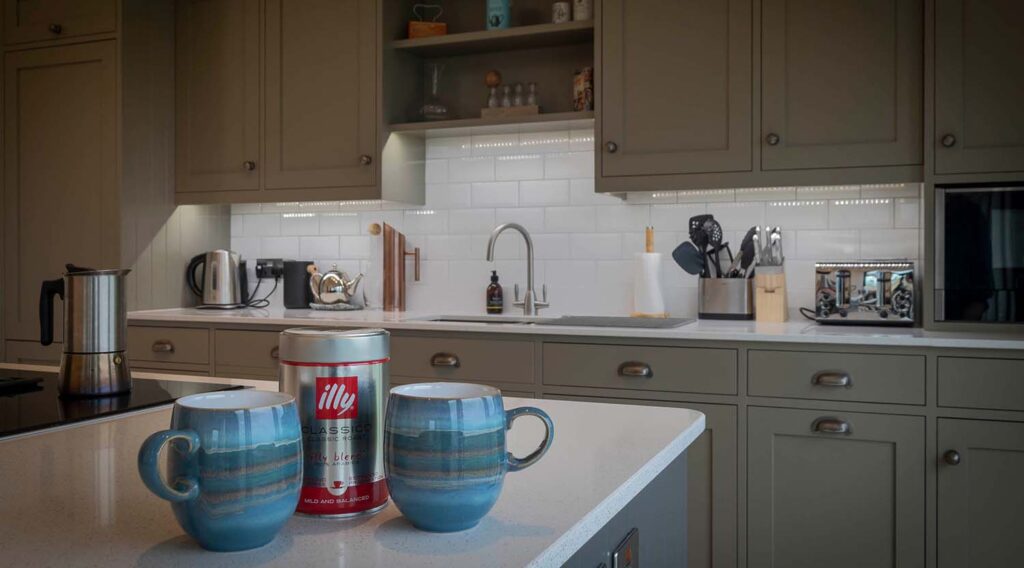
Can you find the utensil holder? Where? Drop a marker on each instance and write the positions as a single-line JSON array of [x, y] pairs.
[[770, 294], [725, 298]]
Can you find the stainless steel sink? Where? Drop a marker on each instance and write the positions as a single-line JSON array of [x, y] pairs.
[[574, 321], [501, 320]]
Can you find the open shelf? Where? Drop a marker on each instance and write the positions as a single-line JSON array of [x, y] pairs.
[[522, 37], [486, 122]]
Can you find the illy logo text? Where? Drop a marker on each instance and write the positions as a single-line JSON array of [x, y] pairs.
[[336, 398]]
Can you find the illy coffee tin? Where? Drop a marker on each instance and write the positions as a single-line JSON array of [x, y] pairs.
[[339, 379]]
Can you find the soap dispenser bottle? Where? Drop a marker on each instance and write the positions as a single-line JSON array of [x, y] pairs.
[[495, 296]]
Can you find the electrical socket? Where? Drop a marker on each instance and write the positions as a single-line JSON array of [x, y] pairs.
[[269, 267]]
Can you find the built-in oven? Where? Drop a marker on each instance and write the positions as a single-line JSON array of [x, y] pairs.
[[979, 253]]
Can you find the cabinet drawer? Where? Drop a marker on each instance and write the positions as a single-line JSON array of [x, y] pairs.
[[245, 352], [854, 377], [676, 369], [42, 20], [168, 345], [462, 359], [996, 384]]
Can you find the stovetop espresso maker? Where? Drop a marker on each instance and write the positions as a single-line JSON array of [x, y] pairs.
[[95, 330]]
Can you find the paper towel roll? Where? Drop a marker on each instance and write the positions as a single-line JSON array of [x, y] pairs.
[[647, 298]]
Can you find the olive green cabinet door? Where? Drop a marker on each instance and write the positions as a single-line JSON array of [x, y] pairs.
[[980, 497], [41, 20], [841, 83], [711, 480], [676, 87], [218, 95], [60, 172], [321, 82], [843, 490], [979, 86]]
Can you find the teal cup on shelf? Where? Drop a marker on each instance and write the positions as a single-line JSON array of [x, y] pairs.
[[445, 453], [234, 466]]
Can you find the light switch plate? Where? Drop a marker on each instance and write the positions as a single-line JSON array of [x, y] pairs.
[[627, 554]]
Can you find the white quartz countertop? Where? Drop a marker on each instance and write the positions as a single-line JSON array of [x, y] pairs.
[[72, 497], [794, 331]]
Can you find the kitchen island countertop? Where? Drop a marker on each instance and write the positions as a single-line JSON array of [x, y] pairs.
[[794, 331], [73, 497]]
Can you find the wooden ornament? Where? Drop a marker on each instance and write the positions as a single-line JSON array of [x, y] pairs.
[[492, 79]]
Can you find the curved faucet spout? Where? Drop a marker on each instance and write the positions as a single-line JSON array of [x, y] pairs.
[[530, 303]]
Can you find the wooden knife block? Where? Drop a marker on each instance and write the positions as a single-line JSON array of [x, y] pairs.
[[770, 303]]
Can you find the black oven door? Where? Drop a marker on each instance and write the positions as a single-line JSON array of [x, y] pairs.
[[979, 254]]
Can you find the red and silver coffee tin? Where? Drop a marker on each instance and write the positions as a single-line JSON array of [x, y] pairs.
[[339, 379]]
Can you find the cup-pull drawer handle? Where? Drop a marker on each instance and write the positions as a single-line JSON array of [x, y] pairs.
[[275, 353], [635, 369], [163, 346], [832, 379], [831, 426], [445, 360]]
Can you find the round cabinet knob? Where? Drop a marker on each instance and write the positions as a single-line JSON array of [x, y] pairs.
[[612, 147], [56, 28], [249, 165], [948, 141], [365, 160], [772, 139], [952, 457]]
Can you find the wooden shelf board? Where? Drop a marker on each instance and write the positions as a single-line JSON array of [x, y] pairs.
[[522, 37], [541, 118]]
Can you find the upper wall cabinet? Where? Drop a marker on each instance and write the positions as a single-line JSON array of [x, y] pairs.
[[320, 93], [676, 87], [218, 113], [841, 83], [41, 20], [979, 86]]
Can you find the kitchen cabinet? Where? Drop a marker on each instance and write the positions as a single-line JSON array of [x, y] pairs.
[[675, 87], [42, 20], [979, 83], [320, 93], [980, 497], [32, 353], [840, 489], [469, 360], [987, 383], [217, 95], [246, 354], [841, 84]]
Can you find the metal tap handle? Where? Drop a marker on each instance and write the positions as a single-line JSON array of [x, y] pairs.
[[543, 302], [515, 295]]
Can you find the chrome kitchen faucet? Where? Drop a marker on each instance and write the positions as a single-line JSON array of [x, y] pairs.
[[529, 302]]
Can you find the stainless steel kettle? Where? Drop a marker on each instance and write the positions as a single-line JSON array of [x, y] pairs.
[[223, 284], [332, 287], [95, 330]]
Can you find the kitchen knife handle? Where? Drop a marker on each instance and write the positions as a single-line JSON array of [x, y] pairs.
[[445, 360], [831, 426], [184, 488], [631, 369], [832, 379]]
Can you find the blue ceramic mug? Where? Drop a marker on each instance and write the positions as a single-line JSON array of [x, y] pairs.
[[234, 466], [445, 455]]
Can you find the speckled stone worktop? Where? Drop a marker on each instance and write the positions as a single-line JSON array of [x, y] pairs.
[[72, 497]]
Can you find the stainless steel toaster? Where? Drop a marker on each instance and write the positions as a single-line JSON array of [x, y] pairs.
[[865, 292]]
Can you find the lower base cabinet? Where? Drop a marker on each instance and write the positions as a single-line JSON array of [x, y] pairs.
[[980, 494], [836, 489]]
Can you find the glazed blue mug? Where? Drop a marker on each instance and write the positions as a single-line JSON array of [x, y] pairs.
[[234, 466], [445, 453]]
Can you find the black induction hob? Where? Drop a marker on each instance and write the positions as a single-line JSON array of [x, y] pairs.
[[30, 400]]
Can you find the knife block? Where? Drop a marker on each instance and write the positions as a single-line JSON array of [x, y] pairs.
[[770, 294]]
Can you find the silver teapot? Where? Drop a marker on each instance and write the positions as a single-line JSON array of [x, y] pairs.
[[332, 287]]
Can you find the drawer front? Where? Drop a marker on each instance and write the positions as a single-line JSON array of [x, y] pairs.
[[996, 384], [462, 359], [674, 369], [43, 20], [247, 352], [852, 377], [168, 345]]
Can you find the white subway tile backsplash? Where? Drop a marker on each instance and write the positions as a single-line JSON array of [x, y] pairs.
[[544, 192], [495, 194], [584, 242], [471, 169]]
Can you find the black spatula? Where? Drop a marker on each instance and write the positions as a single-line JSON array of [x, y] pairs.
[[689, 258]]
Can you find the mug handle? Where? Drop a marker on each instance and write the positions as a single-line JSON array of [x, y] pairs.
[[151, 475], [517, 464]]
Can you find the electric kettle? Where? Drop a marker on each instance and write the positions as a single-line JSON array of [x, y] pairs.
[[95, 330], [223, 284]]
